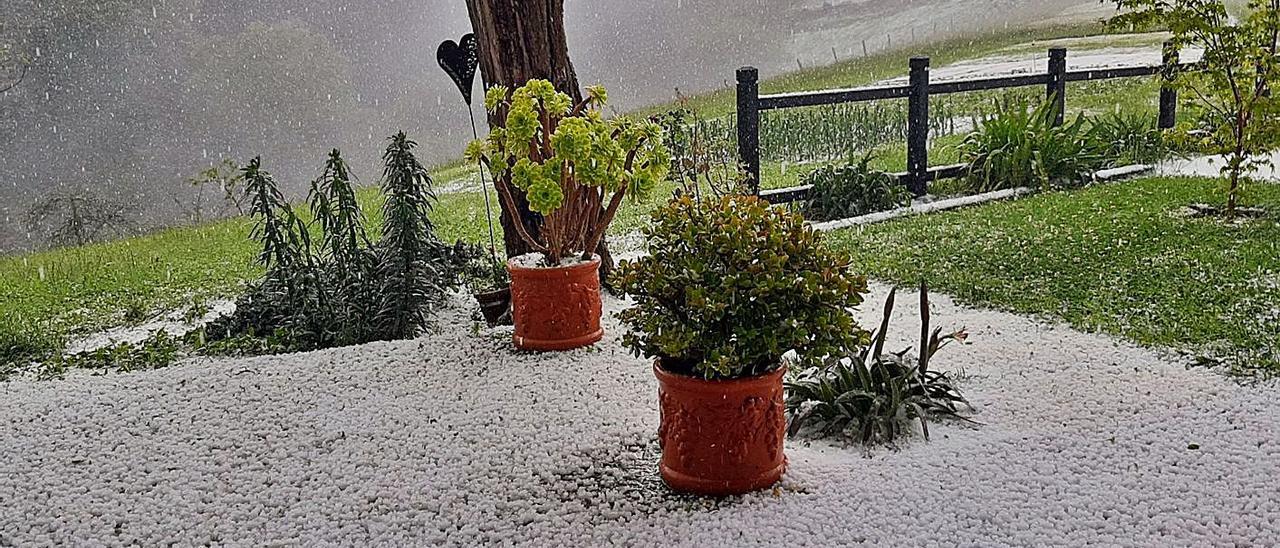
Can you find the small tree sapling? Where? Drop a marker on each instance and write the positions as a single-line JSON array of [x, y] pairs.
[[1233, 82]]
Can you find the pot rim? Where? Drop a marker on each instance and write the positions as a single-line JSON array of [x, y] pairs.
[[492, 292], [718, 384], [512, 267]]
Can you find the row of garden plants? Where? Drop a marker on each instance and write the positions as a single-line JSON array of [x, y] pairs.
[[1018, 147], [327, 282], [746, 314], [729, 289], [1231, 113]]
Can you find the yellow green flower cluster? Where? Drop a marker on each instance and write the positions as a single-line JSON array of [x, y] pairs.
[[548, 145]]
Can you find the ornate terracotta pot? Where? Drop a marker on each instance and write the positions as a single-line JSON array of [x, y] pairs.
[[556, 308], [721, 437]]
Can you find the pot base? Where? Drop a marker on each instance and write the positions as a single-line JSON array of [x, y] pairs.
[[524, 343], [686, 483]]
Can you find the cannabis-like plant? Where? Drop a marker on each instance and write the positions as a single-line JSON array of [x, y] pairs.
[[348, 262], [731, 284], [871, 396], [574, 166], [284, 238], [1234, 81], [288, 297]]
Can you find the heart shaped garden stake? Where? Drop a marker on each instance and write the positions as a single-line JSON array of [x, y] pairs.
[[459, 60]]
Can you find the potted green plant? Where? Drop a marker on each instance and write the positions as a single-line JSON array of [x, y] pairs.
[[487, 278], [729, 287], [575, 168]]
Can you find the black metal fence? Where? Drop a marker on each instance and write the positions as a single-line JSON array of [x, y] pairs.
[[917, 92]]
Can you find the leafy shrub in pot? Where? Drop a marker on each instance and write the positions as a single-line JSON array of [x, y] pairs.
[[575, 168], [729, 287]]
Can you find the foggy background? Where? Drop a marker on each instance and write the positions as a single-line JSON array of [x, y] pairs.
[[130, 98]]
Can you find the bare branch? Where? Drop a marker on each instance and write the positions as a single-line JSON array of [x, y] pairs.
[[21, 76]]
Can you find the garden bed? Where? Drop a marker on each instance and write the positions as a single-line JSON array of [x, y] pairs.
[[454, 439]]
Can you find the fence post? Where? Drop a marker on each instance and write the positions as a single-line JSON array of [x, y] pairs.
[[1056, 91], [1168, 93], [749, 123], [918, 127]]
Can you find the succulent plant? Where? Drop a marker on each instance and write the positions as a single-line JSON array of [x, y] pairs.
[[574, 166]]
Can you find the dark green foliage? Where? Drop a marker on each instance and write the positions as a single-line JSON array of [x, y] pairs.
[[1022, 148], [732, 284], [290, 296], [1127, 138], [874, 397], [158, 350], [22, 344], [413, 262], [852, 189], [478, 268], [349, 264], [285, 242], [343, 289]]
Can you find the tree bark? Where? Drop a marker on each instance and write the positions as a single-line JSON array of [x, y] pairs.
[[521, 40]]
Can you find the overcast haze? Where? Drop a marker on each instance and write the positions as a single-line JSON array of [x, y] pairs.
[[129, 98]]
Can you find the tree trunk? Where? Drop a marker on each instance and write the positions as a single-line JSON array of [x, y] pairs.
[[521, 40]]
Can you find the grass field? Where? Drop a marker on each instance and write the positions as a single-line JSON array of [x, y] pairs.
[[1116, 258], [46, 296], [889, 64]]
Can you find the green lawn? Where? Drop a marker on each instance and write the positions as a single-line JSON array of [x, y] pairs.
[[1115, 258]]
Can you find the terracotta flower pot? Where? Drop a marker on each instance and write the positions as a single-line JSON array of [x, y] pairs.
[[721, 437], [556, 308]]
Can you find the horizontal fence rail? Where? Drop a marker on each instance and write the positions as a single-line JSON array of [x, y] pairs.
[[917, 91]]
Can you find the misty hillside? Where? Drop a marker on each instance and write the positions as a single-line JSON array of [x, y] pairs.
[[128, 99]]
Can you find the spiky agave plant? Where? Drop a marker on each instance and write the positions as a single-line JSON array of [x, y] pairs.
[[872, 396], [413, 263]]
